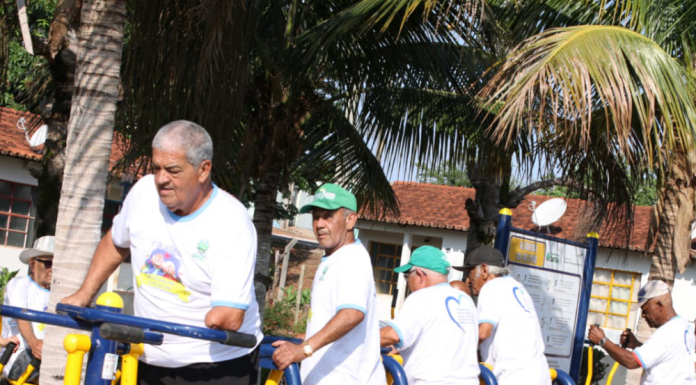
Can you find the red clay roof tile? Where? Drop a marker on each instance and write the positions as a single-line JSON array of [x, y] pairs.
[[13, 141], [436, 206]]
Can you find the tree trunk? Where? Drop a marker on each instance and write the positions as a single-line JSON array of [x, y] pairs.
[[264, 210], [57, 119], [90, 133]]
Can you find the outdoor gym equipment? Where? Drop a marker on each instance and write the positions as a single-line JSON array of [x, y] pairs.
[[616, 364], [33, 365], [115, 334]]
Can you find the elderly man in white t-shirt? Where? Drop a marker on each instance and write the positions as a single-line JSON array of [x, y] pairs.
[[436, 330], [342, 344], [667, 356], [29, 292], [193, 251], [509, 331]]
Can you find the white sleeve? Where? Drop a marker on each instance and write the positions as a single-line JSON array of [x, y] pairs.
[[15, 294], [488, 309], [354, 284], [121, 224], [407, 323], [653, 350], [233, 272]]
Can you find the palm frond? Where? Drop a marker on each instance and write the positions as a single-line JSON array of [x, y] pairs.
[[333, 144], [558, 80]]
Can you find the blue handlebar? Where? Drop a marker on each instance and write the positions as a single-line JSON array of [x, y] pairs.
[[98, 316]]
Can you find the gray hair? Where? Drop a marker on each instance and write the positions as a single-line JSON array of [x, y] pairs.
[[431, 272], [347, 212], [188, 136], [494, 270]]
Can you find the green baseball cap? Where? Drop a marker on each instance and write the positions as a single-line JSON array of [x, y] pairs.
[[427, 257], [331, 197]]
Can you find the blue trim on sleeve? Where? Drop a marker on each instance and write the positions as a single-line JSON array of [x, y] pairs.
[[198, 212], [487, 321], [37, 285], [640, 359], [235, 305], [351, 306], [399, 344]]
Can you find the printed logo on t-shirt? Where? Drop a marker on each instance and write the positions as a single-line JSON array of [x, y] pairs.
[[458, 314], [689, 341], [202, 247], [519, 296], [162, 271], [323, 273]]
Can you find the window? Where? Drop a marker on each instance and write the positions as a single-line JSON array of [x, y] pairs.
[[385, 257], [17, 213], [613, 293]]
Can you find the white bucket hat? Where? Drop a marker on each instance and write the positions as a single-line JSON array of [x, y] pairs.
[[43, 247]]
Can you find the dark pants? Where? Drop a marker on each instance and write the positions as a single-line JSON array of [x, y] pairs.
[[20, 365], [238, 371]]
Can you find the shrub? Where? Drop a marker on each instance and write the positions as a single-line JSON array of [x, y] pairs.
[[599, 368]]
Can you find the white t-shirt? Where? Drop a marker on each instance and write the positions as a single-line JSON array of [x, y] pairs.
[[23, 292], [184, 266], [515, 348], [344, 281], [666, 357], [438, 337]]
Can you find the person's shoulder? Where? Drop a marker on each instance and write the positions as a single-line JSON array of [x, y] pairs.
[[227, 202], [144, 187], [354, 254], [17, 282]]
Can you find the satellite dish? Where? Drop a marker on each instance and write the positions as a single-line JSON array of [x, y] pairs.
[[549, 212], [39, 137]]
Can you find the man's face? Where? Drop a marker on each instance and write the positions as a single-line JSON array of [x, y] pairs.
[[332, 228], [179, 183], [477, 278], [42, 270], [651, 311]]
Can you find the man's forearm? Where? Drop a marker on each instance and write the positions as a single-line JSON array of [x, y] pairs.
[[26, 331], [621, 355], [343, 322], [107, 259]]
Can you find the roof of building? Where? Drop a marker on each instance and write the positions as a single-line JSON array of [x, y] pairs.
[[14, 143], [443, 207]]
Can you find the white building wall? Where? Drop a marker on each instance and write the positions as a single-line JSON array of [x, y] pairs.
[[15, 170], [452, 242]]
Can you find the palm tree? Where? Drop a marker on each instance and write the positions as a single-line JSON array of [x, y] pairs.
[[87, 164], [322, 77], [623, 85]]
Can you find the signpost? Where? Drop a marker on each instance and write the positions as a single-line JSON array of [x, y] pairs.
[[557, 273]]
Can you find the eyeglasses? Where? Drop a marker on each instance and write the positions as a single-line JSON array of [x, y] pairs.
[[48, 263]]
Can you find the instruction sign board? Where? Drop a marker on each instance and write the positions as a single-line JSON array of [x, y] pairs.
[[552, 273]]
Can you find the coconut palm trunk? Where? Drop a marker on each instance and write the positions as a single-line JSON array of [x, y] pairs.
[[670, 234], [90, 133], [264, 210]]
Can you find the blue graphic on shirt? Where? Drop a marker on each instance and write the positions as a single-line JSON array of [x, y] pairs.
[[515, 291], [161, 271], [689, 341], [459, 311], [163, 264]]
